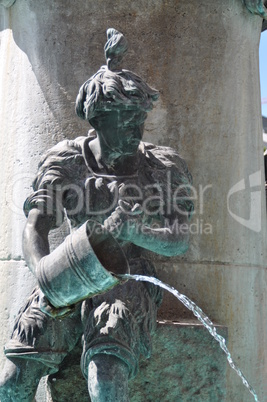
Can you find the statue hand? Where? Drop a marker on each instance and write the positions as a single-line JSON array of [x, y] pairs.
[[52, 311], [122, 222]]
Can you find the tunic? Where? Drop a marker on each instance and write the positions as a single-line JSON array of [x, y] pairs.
[[121, 321]]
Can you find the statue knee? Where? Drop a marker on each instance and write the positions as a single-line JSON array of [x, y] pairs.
[[108, 379], [19, 382], [8, 378]]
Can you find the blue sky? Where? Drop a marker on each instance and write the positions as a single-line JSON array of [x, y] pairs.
[[263, 70]]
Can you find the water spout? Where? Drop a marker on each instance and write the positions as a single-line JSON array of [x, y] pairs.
[[202, 317]]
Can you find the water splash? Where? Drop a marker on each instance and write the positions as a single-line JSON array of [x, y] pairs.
[[202, 317]]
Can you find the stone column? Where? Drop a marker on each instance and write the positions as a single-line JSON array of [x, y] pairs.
[[203, 57]]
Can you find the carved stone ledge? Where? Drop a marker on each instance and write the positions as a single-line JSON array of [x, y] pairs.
[[7, 3], [257, 7]]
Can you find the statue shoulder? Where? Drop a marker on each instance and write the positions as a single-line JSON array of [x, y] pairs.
[[168, 168], [60, 163], [167, 158]]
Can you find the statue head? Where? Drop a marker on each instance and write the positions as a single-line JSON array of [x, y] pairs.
[[114, 90]]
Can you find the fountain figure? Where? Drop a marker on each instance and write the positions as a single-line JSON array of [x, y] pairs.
[[121, 196]]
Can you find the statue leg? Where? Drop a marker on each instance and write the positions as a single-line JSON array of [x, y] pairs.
[[108, 379], [117, 329], [19, 380], [37, 347]]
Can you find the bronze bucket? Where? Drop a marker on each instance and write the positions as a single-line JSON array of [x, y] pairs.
[[81, 266]]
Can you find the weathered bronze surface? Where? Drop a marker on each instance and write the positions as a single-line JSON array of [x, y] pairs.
[[120, 196]]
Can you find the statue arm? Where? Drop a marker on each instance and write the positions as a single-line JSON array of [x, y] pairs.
[[167, 192], [163, 236], [168, 241], [35, 247], [44, 207], [35, 238]]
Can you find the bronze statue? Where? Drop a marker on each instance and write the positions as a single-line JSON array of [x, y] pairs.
[[121, 196]]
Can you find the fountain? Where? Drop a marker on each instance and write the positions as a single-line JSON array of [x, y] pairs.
[[203, 318], [204, 111]]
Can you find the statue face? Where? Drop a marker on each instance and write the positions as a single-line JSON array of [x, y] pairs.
[[120, 131]]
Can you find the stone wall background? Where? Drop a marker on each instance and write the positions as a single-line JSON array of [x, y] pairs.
[[203, 58]]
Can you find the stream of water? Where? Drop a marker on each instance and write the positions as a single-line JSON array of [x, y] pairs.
[[202, 317]]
